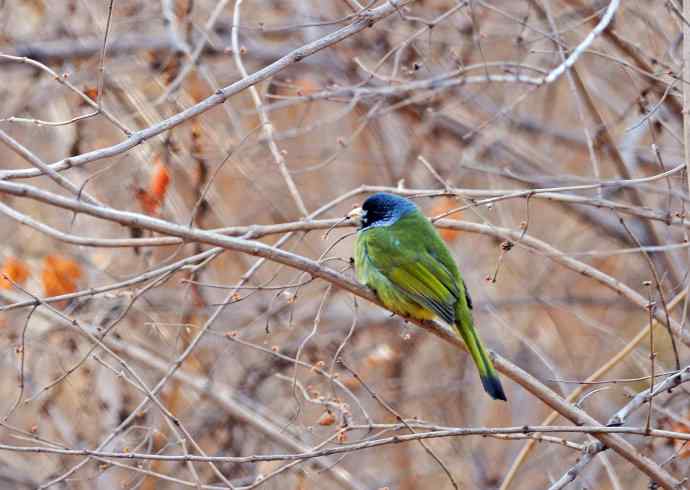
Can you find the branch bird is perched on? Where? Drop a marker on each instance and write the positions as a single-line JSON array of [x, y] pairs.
[[401, 257]]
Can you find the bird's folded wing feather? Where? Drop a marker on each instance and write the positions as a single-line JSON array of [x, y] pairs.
[[414, 271]]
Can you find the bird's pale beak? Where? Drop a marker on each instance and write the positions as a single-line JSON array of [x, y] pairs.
[[356, 216]]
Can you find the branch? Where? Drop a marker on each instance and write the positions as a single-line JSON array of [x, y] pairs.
[[356, 446], [361, 21], [645, 396], [34, 160], [596, 375], [259, 249], [570, 475], [270, 425], [314, 268], [263, 116], [582, 47]]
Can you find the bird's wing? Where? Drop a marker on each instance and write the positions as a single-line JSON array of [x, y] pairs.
[[410, 267], [438, 250]]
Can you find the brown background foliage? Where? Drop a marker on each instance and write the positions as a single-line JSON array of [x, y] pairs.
[[601, 122]]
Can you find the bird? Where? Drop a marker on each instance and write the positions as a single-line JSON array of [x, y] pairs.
[[401, 257]]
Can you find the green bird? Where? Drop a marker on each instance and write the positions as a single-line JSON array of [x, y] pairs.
[[402, 258]]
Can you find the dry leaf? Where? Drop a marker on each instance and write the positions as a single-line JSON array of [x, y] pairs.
[[196, 87], [59, 275], [150, 199], [326, 419], [16, 270], [147, 202], [171, 69], [350, 382], [91, 92], [442, 206], [159, 181], [306, 86]]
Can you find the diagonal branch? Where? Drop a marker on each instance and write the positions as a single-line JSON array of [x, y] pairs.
[[316, 269], [361, 22], [136, 220]]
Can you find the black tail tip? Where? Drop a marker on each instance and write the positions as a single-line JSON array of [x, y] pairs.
[[492, 385]]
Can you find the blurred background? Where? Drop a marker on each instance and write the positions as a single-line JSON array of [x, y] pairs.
[[458, 84]]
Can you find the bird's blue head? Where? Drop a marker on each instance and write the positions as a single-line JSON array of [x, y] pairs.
[[383, 209]]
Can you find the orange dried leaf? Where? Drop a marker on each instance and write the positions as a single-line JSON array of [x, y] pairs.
[[197, 88], [147, 202], [59, 275], [326, 419], [196, 136], [350, 382], [306, 86], [443, 206], [91, 92], [15, 270], [159, 181], [170, 70]]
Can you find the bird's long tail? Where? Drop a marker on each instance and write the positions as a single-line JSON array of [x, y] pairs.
[[487, 372]]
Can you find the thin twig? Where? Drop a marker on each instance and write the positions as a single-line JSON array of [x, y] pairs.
[[263, 116], [400, 419]]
